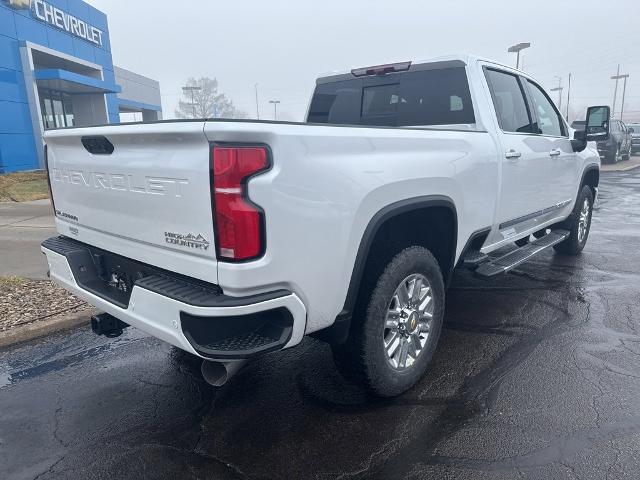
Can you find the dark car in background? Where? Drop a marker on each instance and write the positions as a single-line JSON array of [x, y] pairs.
[[635, 137], [618, 147]]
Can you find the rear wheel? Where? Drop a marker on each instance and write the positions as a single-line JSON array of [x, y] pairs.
[[396, 326], [578, 225]]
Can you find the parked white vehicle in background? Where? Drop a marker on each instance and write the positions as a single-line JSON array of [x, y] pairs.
[[231, 239]]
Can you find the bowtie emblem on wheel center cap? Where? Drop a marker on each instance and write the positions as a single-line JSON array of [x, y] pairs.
[[412, 321]]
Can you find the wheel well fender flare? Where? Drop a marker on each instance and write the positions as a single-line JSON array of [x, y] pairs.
[[338, 332], [588, 171]]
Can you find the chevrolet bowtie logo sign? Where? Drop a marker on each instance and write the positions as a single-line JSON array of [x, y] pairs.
[[47, 13], [19, 4]]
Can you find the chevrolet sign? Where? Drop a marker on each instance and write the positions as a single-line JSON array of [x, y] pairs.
[[47, 13], [19, 4]]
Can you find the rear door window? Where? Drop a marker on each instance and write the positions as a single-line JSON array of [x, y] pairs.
[[421, 98], [509, 102]]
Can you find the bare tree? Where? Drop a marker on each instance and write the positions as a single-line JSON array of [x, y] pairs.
[[206, 101]]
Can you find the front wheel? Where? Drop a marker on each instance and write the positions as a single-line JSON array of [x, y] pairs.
[[579, 224], [615, 155], [396, 326]]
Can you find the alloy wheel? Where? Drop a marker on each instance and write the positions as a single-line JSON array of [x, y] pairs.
[[583, 221], [408, 322]]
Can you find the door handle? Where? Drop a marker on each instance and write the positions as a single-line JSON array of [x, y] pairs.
[[512, 154], [555, 152]]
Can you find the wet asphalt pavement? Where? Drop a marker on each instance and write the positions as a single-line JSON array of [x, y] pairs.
[[537, 376]]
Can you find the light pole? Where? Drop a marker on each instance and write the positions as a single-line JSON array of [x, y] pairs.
[[516, 49], [568, 97], [624, 91], [192, 89], [617, 77], [257, 107], [558, 89], [275, 108]]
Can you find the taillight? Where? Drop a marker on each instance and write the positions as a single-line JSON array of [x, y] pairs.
[[239, 222]]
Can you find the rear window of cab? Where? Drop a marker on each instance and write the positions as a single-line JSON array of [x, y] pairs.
[[421, 98]]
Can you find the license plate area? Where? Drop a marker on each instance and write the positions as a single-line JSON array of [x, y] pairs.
[[106, 275], [112, 277]]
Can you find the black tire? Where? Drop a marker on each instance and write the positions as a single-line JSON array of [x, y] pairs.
[[614, 155], [521, 242], [363, 357], [573, 245]]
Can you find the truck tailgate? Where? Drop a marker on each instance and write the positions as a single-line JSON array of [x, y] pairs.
[[149, 199]]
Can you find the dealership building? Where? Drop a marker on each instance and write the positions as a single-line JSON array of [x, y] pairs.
[[56, 71]]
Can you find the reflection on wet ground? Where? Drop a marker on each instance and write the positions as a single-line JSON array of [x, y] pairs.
[[536, 376]]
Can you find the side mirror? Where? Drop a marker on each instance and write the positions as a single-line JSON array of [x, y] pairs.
[[597, 126], [631, 130], [579, 142]]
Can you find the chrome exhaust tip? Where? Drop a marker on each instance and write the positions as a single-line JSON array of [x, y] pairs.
[[219, 373]]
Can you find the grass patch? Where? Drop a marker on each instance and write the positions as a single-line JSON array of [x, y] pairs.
[[11, 281], [23, 187]]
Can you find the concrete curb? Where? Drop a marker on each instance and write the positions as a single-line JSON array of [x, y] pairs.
[[631, 164], [622, 169], [39, 329]]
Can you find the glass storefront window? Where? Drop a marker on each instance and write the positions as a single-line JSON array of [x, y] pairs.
[[47, 112], [57, 109], [68, 110]]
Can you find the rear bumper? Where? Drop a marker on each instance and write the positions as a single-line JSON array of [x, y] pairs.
[[196, 319]]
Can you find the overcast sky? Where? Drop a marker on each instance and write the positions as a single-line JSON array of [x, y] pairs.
[[282, 45]]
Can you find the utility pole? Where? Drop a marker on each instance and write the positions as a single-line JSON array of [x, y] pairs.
[[624, 90], [275, 108], [516, 49], [617, 77], [257, 107], [568, 97], [559, 90], [193, 101]]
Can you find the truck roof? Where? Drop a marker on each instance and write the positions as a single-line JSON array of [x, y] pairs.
[[445, 60]]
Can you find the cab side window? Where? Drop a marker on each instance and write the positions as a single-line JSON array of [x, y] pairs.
[[549, 120], [509, 102]]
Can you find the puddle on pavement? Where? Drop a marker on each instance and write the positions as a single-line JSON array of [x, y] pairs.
[[5, 379]]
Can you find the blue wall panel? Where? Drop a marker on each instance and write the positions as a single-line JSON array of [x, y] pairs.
[[112, 108], [15, 118], [10, 53], [102, 57], [106, 42], [79, 9], [7, 24], [29, 29], [22, 12], [98, 19], [60, 41], [84, 50], [17, 152], [12, 86]]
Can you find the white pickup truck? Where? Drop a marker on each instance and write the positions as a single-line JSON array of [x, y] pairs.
[[230, 239]]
